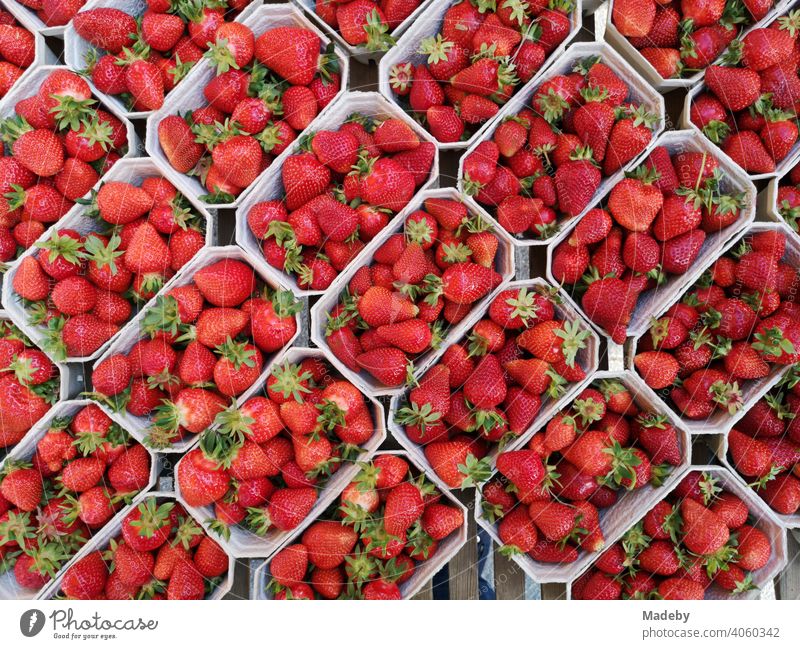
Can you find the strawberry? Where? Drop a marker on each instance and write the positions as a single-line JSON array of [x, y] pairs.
[[736, 88]]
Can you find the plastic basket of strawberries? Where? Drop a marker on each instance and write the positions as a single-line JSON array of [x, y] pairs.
[[671, 45], [781, 200], [154, 549], [85, 278], [282, 456], [456, 68], [47, 17], [510, 366], [58, 142], [711, 538], [30, 385], [226, 124], [366, 29], [66, 480], [746, 104], [729, 338], [137, 51], [561, 142], [209, 337], [403, 298], [20, 50], [552, 505], [315, 210], [631, 255], [762, 448], [384, 537]]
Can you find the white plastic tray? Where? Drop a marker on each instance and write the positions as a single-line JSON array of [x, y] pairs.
[[407, 50], [640, 92], [131, 170], [242, 542], [102, 539], [630, 505], [9, 588], [734, 180], [720, 421], [270, 185], [423, 572], [189, 95], [765, 521], [131, 333], [587, 358], [504, 265]]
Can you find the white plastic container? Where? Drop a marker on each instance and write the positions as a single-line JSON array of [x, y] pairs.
[[656, 300], [67, 385], [102, 539], [765, 521], [407, 50], [189, 95], [423, 572], [270, 185], [640, 92], [719, 444], [587, 358], [28, 18], [242, 542], [130, 170], [359, 52], [504, 265], [720, 422], [9, 588], [781, 8], [131, 333], [614, 520], [76, 48], [646, 69]]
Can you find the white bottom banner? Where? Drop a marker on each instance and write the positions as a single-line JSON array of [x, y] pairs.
[[398, 624]]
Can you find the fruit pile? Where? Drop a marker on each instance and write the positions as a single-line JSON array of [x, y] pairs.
[[159, 553], [748, 105], [337, 193], [386, 524], [652, 228], [764, 447], [364, 23], [419, 283], [259, 99], [700, 539], [488, 388], [544, 164], [29, 384], [204, 343], [788, 198], [141, 58], [17, 51], [475, 61], [682, 38], [80, 289], [53, 13], [736, 321], [264, 464], [56, 147], [84, 468], [548, 495]]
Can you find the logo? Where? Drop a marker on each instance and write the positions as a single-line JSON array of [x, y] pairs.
[[31, 622]]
